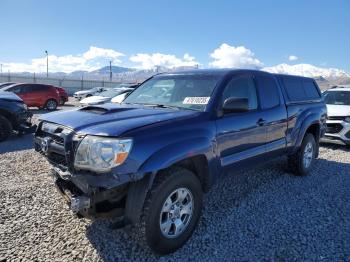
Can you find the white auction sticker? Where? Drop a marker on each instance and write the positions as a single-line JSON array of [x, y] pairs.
[[196, 100]]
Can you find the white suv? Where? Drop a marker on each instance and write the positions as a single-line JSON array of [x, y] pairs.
[[338, 124]]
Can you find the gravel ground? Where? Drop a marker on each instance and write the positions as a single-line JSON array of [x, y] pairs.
[[265, 214]]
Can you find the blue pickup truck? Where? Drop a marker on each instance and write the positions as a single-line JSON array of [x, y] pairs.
[[150, 159]]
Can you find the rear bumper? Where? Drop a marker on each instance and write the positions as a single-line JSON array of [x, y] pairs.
[[64, 97]]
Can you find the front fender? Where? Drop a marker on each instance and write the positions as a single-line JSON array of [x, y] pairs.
[[175, 152]]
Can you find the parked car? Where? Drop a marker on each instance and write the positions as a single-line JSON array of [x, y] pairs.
[[14, 115], [120, 98], [151, 158], [87, 93], [63, 95], [104, 96], [36, 95], [338, 123], [2, 85]]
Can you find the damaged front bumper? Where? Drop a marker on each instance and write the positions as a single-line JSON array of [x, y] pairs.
[[25, 125], [86, 197]]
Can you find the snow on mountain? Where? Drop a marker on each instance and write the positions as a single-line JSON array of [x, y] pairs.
[[307, 70]]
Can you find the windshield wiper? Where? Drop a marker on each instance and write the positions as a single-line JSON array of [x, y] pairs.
[[162, 106], [156, 105]]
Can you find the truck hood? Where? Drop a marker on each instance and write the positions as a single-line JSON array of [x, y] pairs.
[[338, 110], [9, 96], [113, 119], [93, 100]]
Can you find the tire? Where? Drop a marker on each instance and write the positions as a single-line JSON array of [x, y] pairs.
[[168, 185], [5, 128], [51, 104], [298, 162]]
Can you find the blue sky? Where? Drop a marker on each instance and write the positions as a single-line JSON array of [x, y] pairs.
[[316, 32]]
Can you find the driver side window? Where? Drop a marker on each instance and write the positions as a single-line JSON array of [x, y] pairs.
[[242, 87]]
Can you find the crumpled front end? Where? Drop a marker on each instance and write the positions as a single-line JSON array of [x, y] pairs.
[[88, 194]]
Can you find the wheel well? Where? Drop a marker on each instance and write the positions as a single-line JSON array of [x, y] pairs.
[[51, 98], [199, 166], [314, 129]]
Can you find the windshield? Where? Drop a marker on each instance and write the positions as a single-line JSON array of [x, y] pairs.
[[337, 98], [182, 91]]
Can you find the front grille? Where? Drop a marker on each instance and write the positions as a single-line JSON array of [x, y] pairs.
[[57, 139], [55, 142], [336, 117], [333, 128]]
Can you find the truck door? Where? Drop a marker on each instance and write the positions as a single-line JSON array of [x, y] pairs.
[[275, 114], [241, 136]]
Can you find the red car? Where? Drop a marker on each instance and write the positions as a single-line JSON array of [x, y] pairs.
[[36, 95], [63, 95]]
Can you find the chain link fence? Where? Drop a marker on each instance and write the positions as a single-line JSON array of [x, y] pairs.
[[71, 85]]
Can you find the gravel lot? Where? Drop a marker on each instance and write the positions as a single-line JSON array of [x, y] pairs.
[[265, 214]]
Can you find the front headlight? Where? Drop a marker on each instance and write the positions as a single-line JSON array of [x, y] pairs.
[[347, 119], [101, 154]]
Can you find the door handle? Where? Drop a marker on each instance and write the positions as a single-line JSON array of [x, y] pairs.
[[261, 122]]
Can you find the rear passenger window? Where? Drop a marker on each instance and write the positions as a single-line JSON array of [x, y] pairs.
[[311, 89], [294, 89], [36, 88], [269, 94]]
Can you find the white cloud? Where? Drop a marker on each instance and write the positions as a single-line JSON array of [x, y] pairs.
[[292, 58], [90, 60], [306, 70], [96, 52], [149, 61], [227, 56]]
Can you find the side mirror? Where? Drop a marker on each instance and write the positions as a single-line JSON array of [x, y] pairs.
[[235, 105]]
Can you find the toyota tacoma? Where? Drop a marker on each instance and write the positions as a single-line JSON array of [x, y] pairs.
[[149, 159]]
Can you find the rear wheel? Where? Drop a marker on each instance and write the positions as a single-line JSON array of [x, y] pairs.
[[171, 211], [5, 128], [51, 104], [302, 161]]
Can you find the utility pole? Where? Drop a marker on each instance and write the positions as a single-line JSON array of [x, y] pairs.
[[47, 63], [110, 71]]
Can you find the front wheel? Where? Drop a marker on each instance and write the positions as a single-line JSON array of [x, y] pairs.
[[302, 161], [172, 210], [51, 104]]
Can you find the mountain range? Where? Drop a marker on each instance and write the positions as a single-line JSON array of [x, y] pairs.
[[325, 77]]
